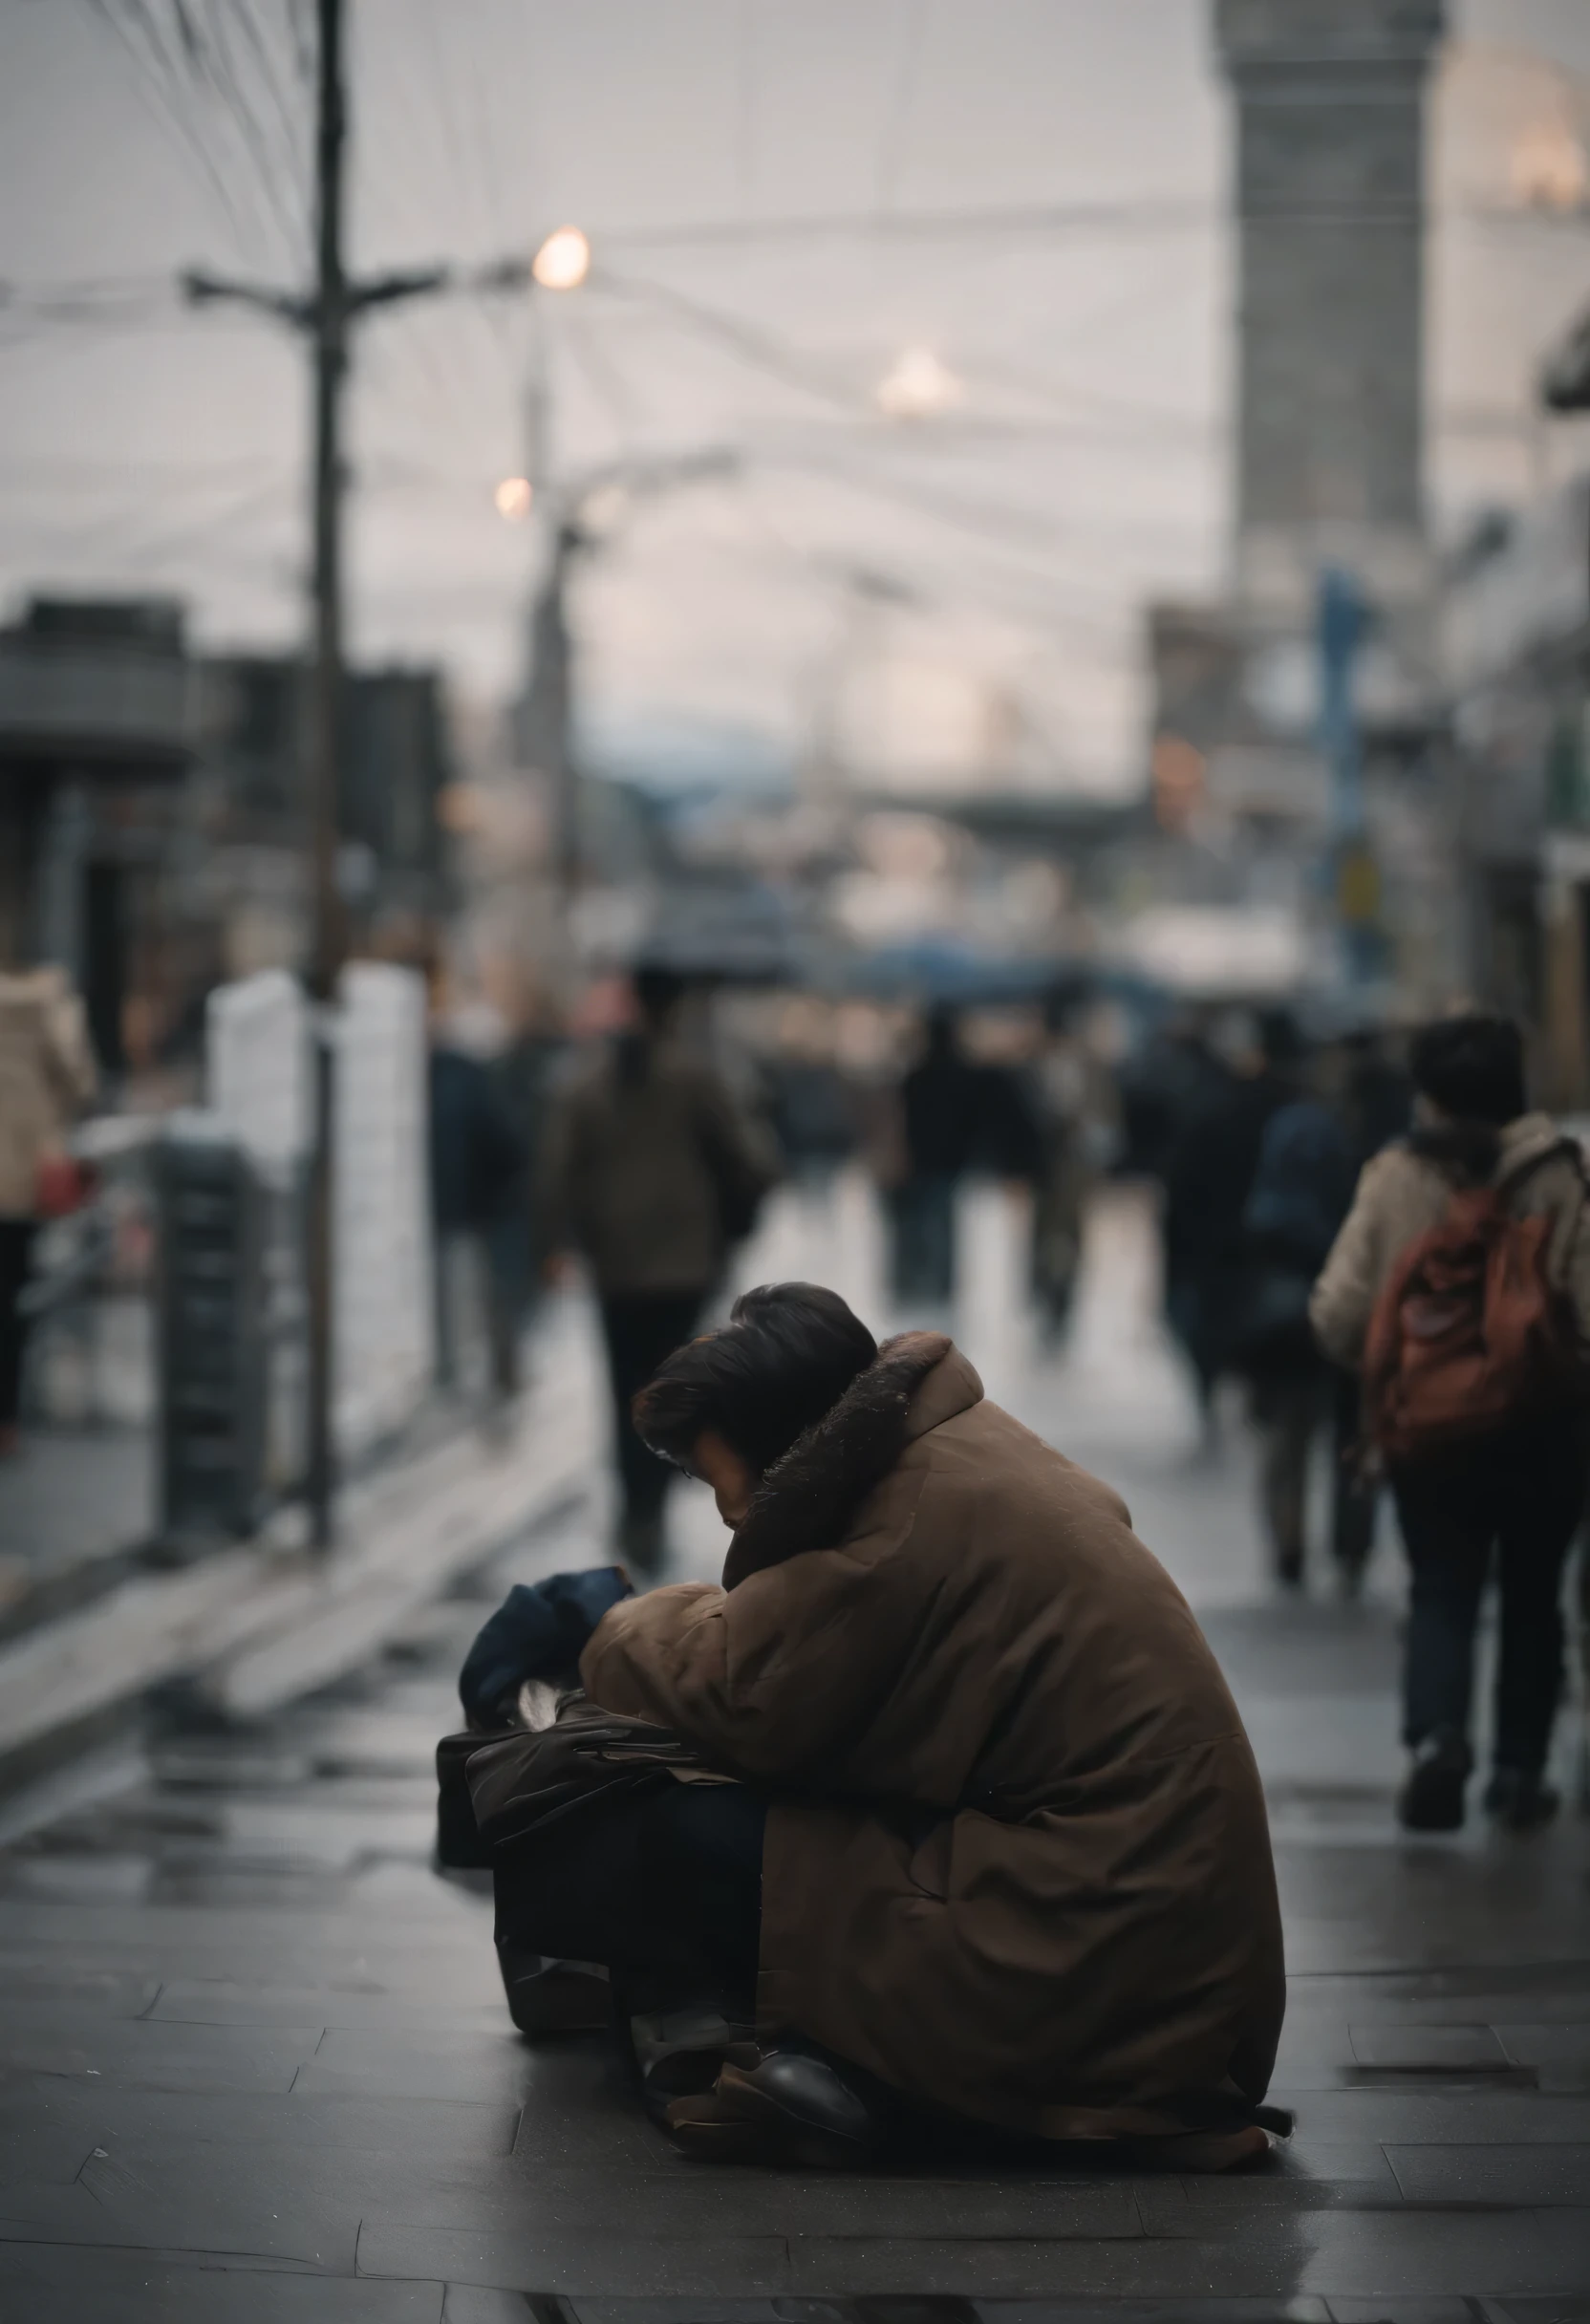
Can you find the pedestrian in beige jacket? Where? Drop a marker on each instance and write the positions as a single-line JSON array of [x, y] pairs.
[[1518, 1491], [47, 1077]]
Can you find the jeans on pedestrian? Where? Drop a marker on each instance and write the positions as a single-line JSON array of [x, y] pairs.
[[1517, 1496], [641, 1329], [1292, 1405]]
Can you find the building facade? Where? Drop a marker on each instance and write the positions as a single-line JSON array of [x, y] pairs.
[[153, 815]]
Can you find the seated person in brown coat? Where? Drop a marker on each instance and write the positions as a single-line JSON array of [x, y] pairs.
[[997, 1854]]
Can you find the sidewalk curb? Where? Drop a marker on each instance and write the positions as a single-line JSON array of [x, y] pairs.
[[256, 1626]]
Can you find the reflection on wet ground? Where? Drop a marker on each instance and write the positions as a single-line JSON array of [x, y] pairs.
[[254, 2065]]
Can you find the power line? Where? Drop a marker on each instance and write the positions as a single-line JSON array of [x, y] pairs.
[[755, 346], [145, 53], [1188, 214], [907, 65]]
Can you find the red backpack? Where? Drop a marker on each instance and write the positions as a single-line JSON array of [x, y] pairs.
[[1469, 1331]]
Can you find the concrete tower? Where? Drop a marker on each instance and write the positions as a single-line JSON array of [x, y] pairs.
[[1330, 191]]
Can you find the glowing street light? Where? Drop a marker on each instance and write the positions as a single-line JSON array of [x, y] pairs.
[[917, 384], [563, 261], [514, 497]]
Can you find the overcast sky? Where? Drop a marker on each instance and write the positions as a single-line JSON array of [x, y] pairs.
[[956, 588]]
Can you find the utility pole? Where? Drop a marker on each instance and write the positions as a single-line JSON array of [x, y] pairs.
[[1342, 618], [543, 718], [330, 326], [323, 317]]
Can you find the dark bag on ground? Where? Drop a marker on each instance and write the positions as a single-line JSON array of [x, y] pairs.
[[1470, 1332], [493, 1789]]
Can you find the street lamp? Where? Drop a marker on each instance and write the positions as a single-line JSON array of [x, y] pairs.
[[563, 261], [917, 384]]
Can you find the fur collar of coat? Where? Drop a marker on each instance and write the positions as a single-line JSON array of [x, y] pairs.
[[807, 1497]]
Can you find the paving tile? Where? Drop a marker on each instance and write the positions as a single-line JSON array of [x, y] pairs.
[[1543, 2312], [476, 2068], [1398, 2253], [483, 2304], [1346, 2163], [597, 2262], [111, 1994], [411, 2132], [1204, 2207], [1475, 2117], [136, 2052], [118, 2204], [1371, 2254], [82, 2286], [731, 2205], [224, 2001], [1448, 2310], [1544, 2044], [1262, 2265], [36, 2149], [1438, 2048], [1493, 2174], [941, 2307]]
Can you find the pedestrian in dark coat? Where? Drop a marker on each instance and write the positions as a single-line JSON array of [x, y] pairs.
[[653, 1171], [477, 1170], [1301, 1192], [941, 1110], [1208, 1175]]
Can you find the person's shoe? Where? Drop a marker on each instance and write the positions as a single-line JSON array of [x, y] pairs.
[[549, 1996], [783, 2109], [1520, 1801], [1432, 1797]]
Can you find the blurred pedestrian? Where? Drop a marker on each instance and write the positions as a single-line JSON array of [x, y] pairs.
[[942, 1107], [47, 1078], [1301, 1190], [1077, 1115], [526, 1072], [1377, 1093], [1207, 1175], [476, 1161], [1461, 1282], [1162, 1088], [814, 1118], [653, 1171]]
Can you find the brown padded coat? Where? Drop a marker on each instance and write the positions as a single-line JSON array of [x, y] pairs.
[[1025, 1870]]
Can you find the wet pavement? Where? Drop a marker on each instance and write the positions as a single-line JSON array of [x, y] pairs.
[[255, 2067]]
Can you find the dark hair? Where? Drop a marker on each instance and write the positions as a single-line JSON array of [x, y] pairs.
[[788, 1352], [1471, 1066]]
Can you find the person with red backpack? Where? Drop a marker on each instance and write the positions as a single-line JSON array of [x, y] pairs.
[[1459, 1285]]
